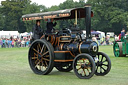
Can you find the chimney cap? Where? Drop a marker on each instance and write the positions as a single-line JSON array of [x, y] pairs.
[[87, 5]]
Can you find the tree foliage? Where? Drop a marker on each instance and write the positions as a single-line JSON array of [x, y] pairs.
[[109, 15]]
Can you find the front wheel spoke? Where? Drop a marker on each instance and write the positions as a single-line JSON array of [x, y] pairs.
[[80, 62], [81, 72], [88, 70], [84, 71], [78, 65], [79, 68], [83, 60], [88, 67], [89, 63]]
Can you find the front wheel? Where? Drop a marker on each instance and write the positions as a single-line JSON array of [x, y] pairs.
[[84, 66]]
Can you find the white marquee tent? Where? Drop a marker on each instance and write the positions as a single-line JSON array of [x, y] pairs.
[[8, 34]]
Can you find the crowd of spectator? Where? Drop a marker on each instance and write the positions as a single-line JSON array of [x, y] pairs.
[[11, 42], [102, 41]]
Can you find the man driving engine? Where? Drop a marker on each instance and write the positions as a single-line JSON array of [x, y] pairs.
[[50, 26]]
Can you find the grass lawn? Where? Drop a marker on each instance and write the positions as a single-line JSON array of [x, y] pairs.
[[15, 70]]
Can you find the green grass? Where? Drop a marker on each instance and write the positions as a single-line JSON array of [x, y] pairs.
[[15, 70]]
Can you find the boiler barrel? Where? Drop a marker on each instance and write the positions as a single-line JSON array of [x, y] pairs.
[[83, 47], [88, 47]]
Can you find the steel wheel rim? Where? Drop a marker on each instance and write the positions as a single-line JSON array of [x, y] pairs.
[[84, 66], [83, 69], [103, 65], [116, 50]]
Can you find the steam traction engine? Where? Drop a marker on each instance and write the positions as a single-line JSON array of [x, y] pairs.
[[67, 50], [120, 48]]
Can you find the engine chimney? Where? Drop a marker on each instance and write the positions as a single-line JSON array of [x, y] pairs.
[[88, 21]]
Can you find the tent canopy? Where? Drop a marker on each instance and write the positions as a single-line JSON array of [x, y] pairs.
[[95, 33]]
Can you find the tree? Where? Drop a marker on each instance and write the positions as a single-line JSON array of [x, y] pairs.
[[109, 15], [1, 20], [12, 10], [30, 8]]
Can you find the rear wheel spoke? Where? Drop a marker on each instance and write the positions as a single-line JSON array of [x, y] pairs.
[[45, 59], [39, 46], [45, 53], [36, 61], [42, 49], [37, 64], [34, 58], [37, 51], [46, 63], [43, 64]]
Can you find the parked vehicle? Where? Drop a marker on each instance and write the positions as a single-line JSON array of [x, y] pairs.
[[110, 34]]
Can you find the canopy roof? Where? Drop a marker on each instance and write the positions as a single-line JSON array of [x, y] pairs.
[[57, 15]]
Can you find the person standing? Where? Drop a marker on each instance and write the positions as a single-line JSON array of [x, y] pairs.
[[13, 43], [50, 26], [122, 33], [1, 43], [37, 31]]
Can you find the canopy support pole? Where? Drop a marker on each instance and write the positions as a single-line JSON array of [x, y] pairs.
[[75, 17]]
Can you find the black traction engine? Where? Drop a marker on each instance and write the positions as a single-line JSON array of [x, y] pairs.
[[67, 50]]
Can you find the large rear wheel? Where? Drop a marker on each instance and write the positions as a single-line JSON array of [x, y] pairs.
[[41, 57], [117, 49]]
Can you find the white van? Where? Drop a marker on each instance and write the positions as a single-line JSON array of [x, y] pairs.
[[111, 34]]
